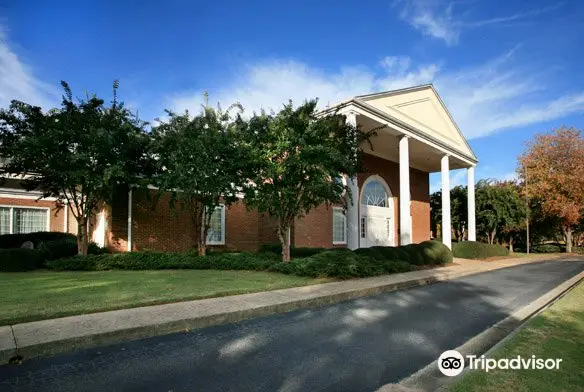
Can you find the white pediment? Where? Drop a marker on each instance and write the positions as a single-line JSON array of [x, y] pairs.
[[422, 109]]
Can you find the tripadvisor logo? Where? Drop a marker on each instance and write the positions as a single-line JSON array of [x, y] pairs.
[[451, 363]]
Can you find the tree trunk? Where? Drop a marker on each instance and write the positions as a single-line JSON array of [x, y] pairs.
[[201, 245], [510, 245], [285, 242], [200, 232], [82, 236], [568, 239]]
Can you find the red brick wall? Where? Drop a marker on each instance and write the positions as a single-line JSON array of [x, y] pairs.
[[420, 185], [315, 229], [268, 230], [157, 226], [241, 227]]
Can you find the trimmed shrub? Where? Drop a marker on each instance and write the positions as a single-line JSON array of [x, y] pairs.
[[578, 249], [373, 252], [124, 261], [158, 261], [272, 247], [294, 251], [342, 264], [52, 250], [401, 254], [477, 250], [20, 259], [387, 252], [334, 263], [435, 252], [16, 240], [94, 249], [548, 248], [305, 252], [414, 252], [240, 261]]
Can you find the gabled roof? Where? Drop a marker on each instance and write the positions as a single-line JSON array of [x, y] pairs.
[[420, 108]]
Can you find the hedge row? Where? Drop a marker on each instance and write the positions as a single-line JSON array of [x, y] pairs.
[[425, 253], [294, 251], [158, 261], [547, 248], [47, 246], [8, 241], [337, 263], [20, 259], [477, 250]]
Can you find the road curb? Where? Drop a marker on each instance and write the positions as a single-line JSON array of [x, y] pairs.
[[50, 337], [430, 378]]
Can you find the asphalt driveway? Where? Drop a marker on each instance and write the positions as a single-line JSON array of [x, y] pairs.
[[357, 345]]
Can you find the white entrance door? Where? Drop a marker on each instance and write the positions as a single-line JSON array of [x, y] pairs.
[[376, 206], [376, 227]]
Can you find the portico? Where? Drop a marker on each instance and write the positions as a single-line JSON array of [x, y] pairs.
[[415, 131]]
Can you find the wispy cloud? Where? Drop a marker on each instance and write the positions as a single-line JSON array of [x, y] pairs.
[[17, 80], [438, 19], [269, 84], [459, 177], [491, 97]]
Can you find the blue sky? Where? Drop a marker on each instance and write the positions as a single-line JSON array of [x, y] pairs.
[[506, 70]]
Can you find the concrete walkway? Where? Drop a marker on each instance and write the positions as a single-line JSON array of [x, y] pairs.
[[50, 337]]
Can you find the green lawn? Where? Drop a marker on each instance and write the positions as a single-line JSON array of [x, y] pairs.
[[29, 296], [556, 333]]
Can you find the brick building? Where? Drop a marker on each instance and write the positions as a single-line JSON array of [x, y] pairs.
[[391, 202]]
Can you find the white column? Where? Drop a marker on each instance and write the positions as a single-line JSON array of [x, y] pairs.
[[472, 232], [130, 220], [353, 206], [446, 228], [405, 227]]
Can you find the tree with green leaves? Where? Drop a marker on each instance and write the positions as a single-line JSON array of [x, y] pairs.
[[436, 213], [200, 163], [512, 224], [77, 153], [295, 158], [501, 210], [458, 211]]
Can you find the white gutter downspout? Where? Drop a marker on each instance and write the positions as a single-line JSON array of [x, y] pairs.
[[66, 223], [130, 220]]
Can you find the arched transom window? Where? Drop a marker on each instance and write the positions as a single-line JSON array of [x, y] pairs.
[[374, 194]]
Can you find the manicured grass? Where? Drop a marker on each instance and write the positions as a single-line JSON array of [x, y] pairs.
[[556, 333], [30, 296]]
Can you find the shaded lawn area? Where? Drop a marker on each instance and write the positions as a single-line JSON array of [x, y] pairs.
[[556, 333], [30, 296]]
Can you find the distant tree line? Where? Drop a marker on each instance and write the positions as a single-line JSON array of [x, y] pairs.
[[549, 190]]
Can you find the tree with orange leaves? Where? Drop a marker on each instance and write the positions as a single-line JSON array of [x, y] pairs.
[[554, 167]]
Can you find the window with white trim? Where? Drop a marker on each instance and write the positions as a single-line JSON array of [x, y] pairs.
[[374, 194], [21, 220], [216, 232], [339, 226]]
